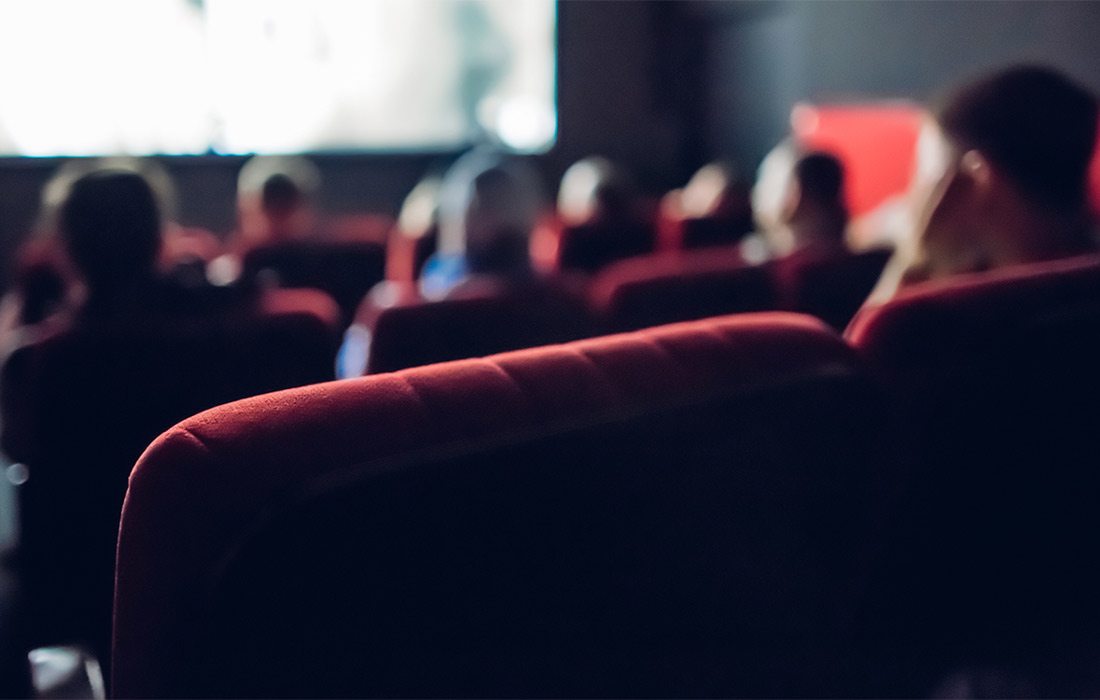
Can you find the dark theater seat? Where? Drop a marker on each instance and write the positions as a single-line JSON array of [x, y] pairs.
[[491, 320], [592, 246], [680, 286], [830, 287], [706, 232], [80, 405], [346, 270], [678, 511], [996, 556]]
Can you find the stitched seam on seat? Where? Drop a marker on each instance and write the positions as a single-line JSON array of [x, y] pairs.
[[421, 403], [708, 330], [513, 382], [656, 342], [188, 433], [601, 373]]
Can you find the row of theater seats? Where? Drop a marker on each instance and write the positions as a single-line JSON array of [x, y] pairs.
[[743, 505], [80, 403], [641, 290], [345, 270], [634, 293], [347, 267]]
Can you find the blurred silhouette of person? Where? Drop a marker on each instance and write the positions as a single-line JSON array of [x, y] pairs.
[[598, 210], [110, 225], [593, 188], [184, 250], [43, 277], [814, 215], [717, 190], [416, 236], [770, 195], [1001, 178], [41, 282], [275, 204], [276, 199], [714, 208], [488, 208]]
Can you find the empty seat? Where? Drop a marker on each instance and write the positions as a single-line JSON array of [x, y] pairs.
[[344, 269], [995, 554], [495, 318], [830, 287], [80, 404], [669, 287], [678, 511]]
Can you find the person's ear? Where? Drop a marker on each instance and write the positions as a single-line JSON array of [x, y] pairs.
[[977, 168]]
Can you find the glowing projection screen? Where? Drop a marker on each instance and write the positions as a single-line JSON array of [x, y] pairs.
[[138, 77]]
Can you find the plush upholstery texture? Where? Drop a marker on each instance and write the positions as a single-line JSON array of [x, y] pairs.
[[202, 485]]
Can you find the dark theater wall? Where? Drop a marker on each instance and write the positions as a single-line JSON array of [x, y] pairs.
[[765, 56]]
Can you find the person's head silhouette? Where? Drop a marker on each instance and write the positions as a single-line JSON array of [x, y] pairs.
[[1006, 161], [111, 225]]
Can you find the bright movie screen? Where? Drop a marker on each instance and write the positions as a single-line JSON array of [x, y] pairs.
[[144, 77]]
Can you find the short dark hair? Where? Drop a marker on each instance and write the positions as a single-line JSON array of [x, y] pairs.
[[1033, 123], [820, 176], [110, 224], [280, 194]]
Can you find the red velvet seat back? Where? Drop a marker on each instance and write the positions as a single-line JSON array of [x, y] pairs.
[[669, 287], [675, 511], [590, 247], [995, 558], [493, 320], [706, 232], [830, 287], [80, 405], [346, 270]]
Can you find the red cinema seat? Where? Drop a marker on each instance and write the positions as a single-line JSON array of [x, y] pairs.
[[995, 555], [705, 232], [80, 404], [593, 246], [681, 510], [831, 287], [346, 270], [407, 331], [670, 287]]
